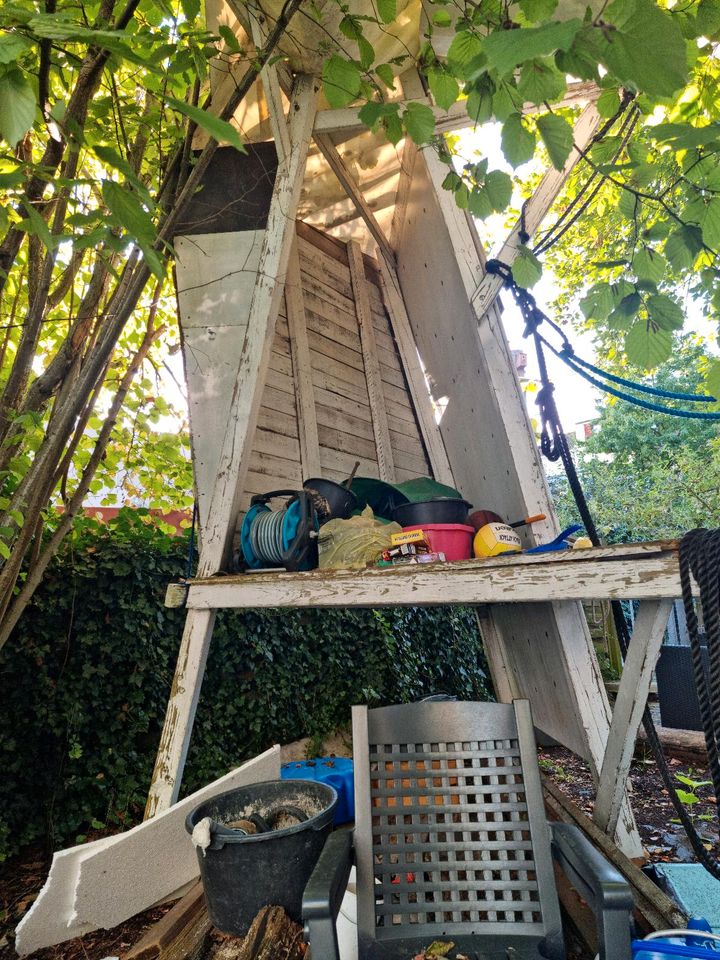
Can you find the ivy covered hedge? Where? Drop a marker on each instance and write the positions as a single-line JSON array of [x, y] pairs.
[[85, 678]]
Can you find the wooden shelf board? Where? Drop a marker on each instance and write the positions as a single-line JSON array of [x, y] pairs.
[[624, 571]]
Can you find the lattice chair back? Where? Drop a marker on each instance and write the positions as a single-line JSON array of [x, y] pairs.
[[450, 830]]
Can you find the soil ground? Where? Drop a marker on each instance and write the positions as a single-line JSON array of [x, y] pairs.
[[22, 877]]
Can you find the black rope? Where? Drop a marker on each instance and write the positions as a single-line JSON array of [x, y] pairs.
[[701, 554]]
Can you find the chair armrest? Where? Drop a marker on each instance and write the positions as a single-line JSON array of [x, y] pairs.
[[324, 893], [604, 888]]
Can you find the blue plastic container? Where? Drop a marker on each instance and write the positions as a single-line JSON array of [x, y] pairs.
[[691, 947], [335, 771]]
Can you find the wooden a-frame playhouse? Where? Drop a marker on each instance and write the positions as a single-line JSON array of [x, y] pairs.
[[324, 280]]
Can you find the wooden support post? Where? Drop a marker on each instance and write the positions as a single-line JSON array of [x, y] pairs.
[[386, 465], [630, 703], [351, 188], [537, 207], [271, 86], [413, 371], [237, 444], [302, 372]]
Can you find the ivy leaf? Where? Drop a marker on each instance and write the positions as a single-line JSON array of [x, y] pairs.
[[419, 122], [646, 346], [17, 106], [598, 302], [647, 50], [505, 49], [710, 224], [526, 269], [518, 143], [12, 45], [650, 265], [608, 103], [341, 81], [218, 129], [387, 10], [443, 87], [539, 81], [664, 312], [557, 135], [499, 189]]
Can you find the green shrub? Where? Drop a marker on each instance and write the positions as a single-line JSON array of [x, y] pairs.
[[85, 678]]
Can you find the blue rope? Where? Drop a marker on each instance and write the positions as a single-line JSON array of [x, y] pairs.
[[534, 316]]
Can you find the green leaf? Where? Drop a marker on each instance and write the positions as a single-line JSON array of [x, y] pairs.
[[685, 136], [479, 104], [663, 311], [536, 10], [218, 129], [127, 212], [608, 103], [557, 135], [367, 52], [387, 10], [598, 302], [385, 72], [341, 81], [708, 18], [499, 189], [12, 45], [505, 49], [4, 550], [712, 379], [479, 203], [526, 269], [518, 143], [464, 48], [647, 347], [190, 9], [650, 265], [710, 224], [540, 81], [689, 799], [443, 87], [625, 312], [36, 225], [231, 41], [647, 50], [682, 247], [419, 122], [441, 18], [350, 27], [17, 106]]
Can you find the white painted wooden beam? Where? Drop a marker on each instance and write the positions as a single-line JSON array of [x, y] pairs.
[[579, 575], [236, 449], [647, 638], [537, 207], [378, 412], [343, 123], [271, 86], [413, 371], [302, 371], [351, 188]]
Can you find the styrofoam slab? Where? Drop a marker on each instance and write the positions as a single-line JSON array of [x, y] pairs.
[[104, 883]]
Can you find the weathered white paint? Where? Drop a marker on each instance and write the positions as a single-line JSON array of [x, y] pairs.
[[302, 372], [414, 372], [647, 637], [101, 884], [537, 206], [215, 276], [350, 186], [501, 581], [383, 446], [493, 453]]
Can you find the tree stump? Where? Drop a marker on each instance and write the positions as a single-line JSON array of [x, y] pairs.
[[272, 936]]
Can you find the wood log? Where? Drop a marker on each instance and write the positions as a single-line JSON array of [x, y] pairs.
[[686, 745], [272, 936]]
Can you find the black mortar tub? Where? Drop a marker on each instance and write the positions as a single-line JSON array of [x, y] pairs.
[[242, 873]]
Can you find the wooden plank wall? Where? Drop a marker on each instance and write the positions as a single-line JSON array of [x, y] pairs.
[[342, 405]]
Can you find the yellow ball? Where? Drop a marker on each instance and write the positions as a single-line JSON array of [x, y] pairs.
[[494, 539]]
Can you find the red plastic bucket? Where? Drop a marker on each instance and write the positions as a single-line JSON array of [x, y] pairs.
[[452, 539]]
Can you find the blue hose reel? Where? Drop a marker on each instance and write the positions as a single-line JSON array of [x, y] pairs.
[[280, 538]]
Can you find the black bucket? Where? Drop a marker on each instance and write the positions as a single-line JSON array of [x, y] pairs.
[[242, 873], [340, 500]]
